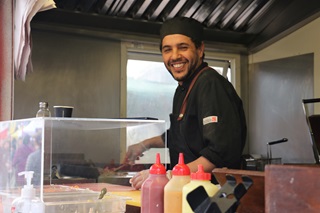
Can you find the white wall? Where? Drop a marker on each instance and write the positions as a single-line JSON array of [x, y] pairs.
[[304, 40]]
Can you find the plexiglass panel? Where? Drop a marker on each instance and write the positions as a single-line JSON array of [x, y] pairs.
[[70, 151]]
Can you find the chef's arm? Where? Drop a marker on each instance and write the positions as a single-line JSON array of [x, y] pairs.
[[207, 165], [155, 142], [135, 151]]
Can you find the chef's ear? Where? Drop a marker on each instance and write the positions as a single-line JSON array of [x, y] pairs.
[[201, 50]]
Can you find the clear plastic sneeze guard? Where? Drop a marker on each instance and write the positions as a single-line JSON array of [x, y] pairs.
[[64, 153]]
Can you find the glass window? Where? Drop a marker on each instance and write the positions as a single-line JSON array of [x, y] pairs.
[[150, 87]]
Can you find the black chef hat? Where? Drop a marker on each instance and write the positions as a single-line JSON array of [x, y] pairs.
[[182, 25]]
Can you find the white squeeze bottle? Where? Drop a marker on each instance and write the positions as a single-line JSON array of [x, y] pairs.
[[200, 178], [28, 202], [173, 189]]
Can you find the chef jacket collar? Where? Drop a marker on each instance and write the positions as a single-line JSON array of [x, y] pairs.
[[185, 84]]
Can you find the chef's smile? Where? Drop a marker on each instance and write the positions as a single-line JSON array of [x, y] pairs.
[[178, 69], [178, 66]]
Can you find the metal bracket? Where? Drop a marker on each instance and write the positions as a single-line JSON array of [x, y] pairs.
[[226, 199]]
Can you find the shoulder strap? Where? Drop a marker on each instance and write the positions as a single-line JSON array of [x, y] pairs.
[[185, 100]]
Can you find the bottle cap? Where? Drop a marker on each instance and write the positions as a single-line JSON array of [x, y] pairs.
[[200, 174], [43, 104], [27, 191], [181, 168], [157, 168]]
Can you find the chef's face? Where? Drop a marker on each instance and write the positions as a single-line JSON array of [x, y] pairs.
[[180, 56]]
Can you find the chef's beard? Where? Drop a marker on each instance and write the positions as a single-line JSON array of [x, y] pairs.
[[189, 73], [184, 77]]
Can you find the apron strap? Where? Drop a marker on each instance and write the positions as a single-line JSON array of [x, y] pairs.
[[185, 100]]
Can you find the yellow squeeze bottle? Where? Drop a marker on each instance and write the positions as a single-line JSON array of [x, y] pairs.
[[200, 178], [173, 189]]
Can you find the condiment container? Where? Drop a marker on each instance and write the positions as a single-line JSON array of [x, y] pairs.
[[152, 190], [43, 110], [173, 189], [199, 178]]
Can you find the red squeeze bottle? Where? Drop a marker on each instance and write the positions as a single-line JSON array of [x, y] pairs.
[[152, 190]]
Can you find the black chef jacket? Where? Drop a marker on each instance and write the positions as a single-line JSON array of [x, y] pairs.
[[213, 125]]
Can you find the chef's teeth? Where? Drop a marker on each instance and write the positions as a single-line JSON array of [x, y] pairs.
[[177, 65]]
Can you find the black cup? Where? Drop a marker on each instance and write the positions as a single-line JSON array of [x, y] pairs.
[[63, 111]]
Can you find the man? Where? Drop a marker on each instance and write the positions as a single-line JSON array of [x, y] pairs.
[[207, 122]]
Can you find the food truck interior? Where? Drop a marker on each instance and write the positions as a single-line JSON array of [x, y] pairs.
[[81, 52]]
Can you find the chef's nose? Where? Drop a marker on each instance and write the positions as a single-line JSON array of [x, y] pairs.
[[175, 54]]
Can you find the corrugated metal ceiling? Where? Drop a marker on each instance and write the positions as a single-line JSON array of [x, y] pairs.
[[245, 22], [236, 15]]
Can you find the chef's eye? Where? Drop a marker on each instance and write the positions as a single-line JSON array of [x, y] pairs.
[[166, 50], [184, 47]]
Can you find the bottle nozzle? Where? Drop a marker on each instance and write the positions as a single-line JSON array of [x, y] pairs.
[[158, 158], [200, 168], [200, 174], [181, 168], [28, 175], [157, 168], [181, 158], [27, 191]]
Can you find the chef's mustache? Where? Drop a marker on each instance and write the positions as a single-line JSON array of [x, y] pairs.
[[179, 60]]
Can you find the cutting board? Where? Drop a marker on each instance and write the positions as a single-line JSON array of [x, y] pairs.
[[126, 191]]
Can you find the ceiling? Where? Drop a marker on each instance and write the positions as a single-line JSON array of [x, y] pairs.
[[251, 23]]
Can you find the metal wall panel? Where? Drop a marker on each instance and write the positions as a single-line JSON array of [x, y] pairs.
[[81, 71], [276, 90]]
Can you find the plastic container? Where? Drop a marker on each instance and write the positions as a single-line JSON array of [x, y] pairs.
[[173, 189], [152, 190], [200, 178], [86, 201], [28, 202], [62, 199]]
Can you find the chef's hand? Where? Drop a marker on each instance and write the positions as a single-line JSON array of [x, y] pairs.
[[139, 178], [134, 152]]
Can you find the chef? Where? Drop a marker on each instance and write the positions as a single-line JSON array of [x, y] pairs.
[[207, 121]]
